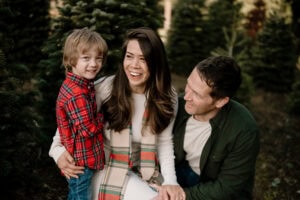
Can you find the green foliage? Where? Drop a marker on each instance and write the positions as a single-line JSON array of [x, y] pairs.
[[111, 19], [197, 30], [236, 46], [23, 28], [185, 40], [295, 7], [222, 15], [274, 56], [246, 90], [294, 97]]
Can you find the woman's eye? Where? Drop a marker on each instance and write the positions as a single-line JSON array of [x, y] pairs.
[[142, 60]]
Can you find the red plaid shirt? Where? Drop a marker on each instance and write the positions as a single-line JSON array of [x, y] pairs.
[[80, 125]]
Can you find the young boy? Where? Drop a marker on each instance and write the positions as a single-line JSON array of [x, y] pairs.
[[79, 124]]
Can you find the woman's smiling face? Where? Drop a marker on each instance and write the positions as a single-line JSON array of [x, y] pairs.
[[135, 67]]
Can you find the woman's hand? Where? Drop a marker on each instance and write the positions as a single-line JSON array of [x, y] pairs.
[[67, 165], [169, 192]]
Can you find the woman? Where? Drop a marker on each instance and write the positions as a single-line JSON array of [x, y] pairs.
[[139, 105]]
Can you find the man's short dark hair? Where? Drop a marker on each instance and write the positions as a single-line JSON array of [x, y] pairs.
[[222, 74]]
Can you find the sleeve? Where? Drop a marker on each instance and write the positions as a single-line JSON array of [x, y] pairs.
[[80, 111], [103, 87], [166, 153], [56, 148]]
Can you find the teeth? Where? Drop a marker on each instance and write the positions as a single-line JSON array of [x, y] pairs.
[[134, 74]]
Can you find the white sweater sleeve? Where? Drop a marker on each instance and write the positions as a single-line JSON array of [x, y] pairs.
[[56, 148], [103, 89], [166, 153]]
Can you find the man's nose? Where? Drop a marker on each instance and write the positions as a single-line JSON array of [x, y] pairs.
[[186, 94]]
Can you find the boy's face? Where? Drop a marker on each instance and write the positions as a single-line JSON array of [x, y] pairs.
[[89, 64]]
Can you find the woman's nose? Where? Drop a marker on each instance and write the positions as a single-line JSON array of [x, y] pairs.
[[136, 63]]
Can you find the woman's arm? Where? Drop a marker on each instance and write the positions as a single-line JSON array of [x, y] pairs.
[[166, 153], [170, 189], [63, 158], [56, 148]]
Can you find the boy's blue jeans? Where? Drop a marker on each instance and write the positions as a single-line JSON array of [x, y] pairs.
[[80, 188], [186, 176]]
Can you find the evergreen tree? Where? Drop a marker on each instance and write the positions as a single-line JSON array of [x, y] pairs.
[[27, 27], [221, 16], [274, 56], [294, 97], [20, 146], [185, 37], [236, 46], [111, 19], [295, 6]]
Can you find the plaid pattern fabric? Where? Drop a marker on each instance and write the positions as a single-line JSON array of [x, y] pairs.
[[79, 124], [116, 177]]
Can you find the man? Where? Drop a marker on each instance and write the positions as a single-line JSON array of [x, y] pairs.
[[216, 139]]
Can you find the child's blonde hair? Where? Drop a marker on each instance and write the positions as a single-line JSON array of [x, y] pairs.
[[79, 41]]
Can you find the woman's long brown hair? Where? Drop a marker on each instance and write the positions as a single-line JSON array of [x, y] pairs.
[[159, 93]]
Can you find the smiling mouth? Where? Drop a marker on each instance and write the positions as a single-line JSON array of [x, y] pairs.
[[135, 74]]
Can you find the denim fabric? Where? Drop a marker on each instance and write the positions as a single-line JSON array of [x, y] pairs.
[[80, 188], [186, 177]]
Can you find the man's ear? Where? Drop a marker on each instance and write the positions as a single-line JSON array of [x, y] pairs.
[[221, 102]]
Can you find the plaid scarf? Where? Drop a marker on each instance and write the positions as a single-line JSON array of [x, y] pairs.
[[116, 177]]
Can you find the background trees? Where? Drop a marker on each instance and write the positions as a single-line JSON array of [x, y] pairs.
[[31, 71], [274, 53], [185, 42], [24, 27]]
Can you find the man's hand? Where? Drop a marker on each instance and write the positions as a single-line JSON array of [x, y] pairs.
[[67, 165], [169, 192]]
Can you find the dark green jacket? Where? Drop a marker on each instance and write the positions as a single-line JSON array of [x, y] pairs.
[[228, 159]]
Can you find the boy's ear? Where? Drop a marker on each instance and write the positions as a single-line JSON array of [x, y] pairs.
[[221, 102]]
